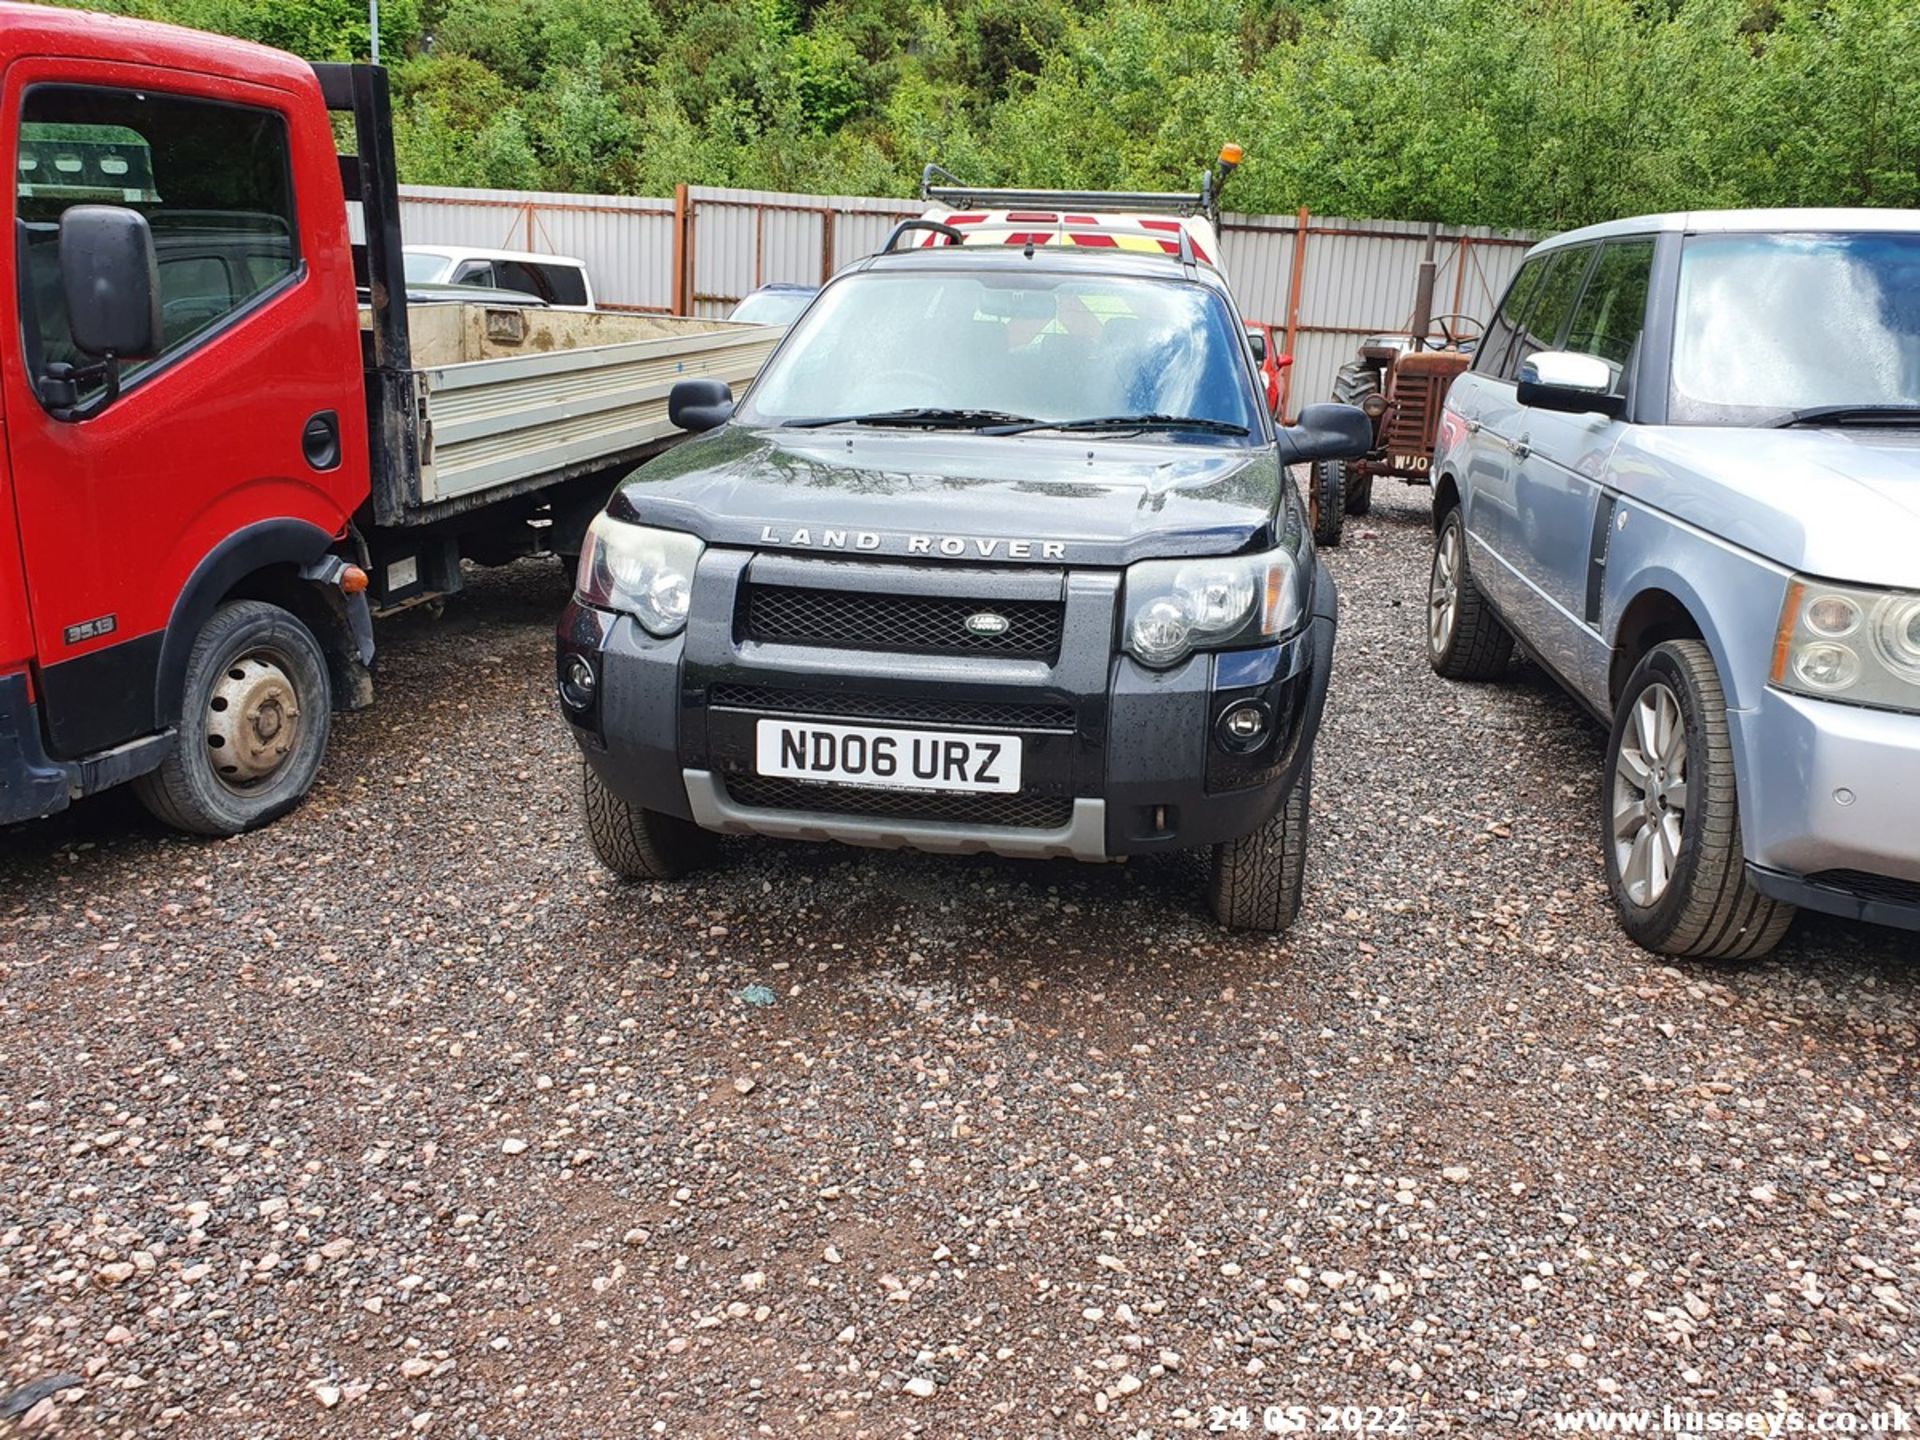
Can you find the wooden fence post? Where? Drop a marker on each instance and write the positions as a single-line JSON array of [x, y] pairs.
[[1293, 306], [682, 251]]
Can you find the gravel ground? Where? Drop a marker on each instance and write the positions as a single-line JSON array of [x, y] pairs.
[[402, 1117]]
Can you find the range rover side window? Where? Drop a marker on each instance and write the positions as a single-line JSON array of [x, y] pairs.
[[1491, 357], [1613, 308], [1549, 308], [213, 179]]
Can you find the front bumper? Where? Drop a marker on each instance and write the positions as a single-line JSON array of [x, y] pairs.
[[1828, 806], [1117, 759]]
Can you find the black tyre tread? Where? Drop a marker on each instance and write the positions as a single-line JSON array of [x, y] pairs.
[[1482, 647], [1329, 501], [1258, 880], [1352, 383], [640, 844], [169, 793], [1723, 916]]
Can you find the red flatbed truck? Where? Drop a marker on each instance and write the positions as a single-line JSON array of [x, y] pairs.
[[224, 451]]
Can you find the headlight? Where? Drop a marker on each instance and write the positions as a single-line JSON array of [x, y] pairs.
[[647, 573], [1847, 642], [1174, 607]]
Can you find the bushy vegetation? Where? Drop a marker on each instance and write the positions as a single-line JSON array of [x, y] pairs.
[[1525, 113]]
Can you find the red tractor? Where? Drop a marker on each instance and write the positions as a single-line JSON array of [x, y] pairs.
[[1401, 381]]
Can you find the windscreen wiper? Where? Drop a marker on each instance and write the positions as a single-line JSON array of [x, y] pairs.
[[1127, 422], [1850, 415], [932, 417]]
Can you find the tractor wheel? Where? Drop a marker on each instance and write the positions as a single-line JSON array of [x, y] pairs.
[[1353, 384], [1327, 501]]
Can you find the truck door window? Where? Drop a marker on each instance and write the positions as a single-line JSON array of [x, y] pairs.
[[520, 276], [1613, 308], [214, 181], [566, 284], [1549, 306]]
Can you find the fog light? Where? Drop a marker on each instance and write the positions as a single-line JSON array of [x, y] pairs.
[[577, 682], [1244, 726]]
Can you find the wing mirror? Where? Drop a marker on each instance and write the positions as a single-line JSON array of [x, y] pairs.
[[1326, 432], [699, 405], [1258, 340], [110, 284], [1573, 383]]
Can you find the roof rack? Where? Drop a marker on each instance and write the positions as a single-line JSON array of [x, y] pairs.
[[1205, 201]]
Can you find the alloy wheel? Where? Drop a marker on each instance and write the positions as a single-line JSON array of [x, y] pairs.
[[1650, 795]]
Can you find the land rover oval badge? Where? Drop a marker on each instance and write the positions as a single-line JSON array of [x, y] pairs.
[[987, 623]]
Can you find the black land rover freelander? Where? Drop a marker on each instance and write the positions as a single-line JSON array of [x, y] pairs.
[[1000, 553]]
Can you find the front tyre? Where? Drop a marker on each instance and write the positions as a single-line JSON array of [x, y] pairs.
[[1258, 879], [640, 844], [253, 724], [1328, 501], [1671, 818], [1465, 639], [1351, 386]]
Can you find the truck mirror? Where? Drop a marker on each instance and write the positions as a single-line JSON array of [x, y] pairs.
[[697, 405], [111, 282], [1326, 432]]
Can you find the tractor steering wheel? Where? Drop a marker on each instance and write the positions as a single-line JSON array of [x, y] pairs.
[[1454, 328]]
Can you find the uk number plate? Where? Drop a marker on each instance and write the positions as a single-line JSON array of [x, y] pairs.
[[886, 759]]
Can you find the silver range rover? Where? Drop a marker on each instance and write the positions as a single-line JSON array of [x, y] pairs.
[[1683, 475]]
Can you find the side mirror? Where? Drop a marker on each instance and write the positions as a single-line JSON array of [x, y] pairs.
[[698, 405], [1284, 361], [111, 282], [1326, 432], [1570, 382], [1258, 340]]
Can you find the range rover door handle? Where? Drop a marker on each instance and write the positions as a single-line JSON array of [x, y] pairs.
[[1521, 450]]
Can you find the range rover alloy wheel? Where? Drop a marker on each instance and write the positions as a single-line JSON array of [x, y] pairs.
[[1670, 816], [1465, 639]]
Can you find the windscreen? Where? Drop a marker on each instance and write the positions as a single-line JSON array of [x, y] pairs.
[[425, 269], [1042, 345], [1772, 324]]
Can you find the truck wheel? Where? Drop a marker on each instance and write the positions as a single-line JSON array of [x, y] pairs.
[[641, 844], [1328, 501], [1257, 880], [1670, 816], [1352, 384], [1465, 639], [253, 724]]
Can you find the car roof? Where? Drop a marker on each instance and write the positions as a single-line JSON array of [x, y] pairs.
[[1696, 222], [476, 252], [782, 287], [1045, 259]]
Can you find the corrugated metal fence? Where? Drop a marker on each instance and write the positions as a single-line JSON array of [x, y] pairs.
[[1320, 281]]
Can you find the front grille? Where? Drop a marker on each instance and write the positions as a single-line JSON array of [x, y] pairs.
[[1025, 812], [1859, 883], [918, 624], [908, 709]]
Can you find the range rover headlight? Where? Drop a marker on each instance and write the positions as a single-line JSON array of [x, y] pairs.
[[1850, 642], [1173, 607], [644, 572]]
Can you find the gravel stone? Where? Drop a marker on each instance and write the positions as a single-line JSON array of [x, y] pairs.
[[317, 1043]]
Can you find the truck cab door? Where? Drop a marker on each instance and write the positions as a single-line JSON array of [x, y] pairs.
[[121, 506]]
